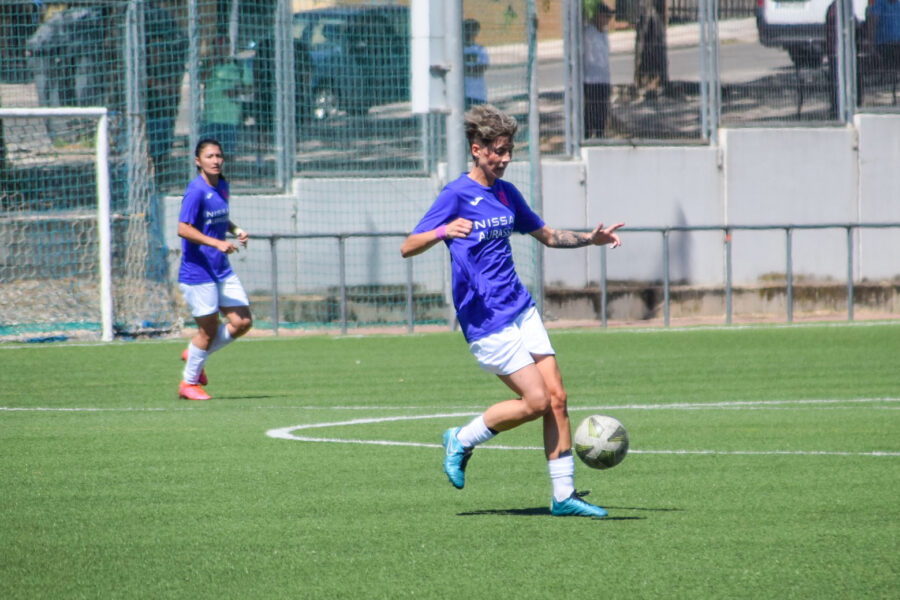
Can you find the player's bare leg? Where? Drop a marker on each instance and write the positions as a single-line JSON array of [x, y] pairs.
[[239, 320], [458, 442], [558, 447], [533, 401], [197, 351]]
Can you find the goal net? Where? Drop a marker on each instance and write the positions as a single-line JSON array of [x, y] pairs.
[[81, 255]]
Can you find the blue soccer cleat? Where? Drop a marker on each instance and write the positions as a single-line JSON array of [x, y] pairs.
[[573, 506], [455, 458]]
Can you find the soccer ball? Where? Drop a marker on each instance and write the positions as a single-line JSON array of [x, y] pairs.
[[601, 442]]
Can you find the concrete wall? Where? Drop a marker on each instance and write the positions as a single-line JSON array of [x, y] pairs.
[[879, 194], [753, 176]]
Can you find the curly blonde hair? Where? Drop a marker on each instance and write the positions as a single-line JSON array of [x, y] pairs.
[[485, 123]]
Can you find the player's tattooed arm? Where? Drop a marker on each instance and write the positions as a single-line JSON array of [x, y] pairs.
[[563, 238]]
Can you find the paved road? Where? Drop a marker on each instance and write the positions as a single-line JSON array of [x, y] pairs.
[[741, 58]]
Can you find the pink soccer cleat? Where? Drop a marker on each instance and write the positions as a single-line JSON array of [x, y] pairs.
[[191, 391], [202, 380]]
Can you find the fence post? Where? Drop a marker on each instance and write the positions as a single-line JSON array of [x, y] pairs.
[[849, 272], [410, 309], [789, 274], [603, 285], [342, 270], [534, 146], [274, 263], [665, 240], [727, 276]]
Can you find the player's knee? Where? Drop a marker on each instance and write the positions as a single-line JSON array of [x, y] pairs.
[[537, 405], [558, 400], [243, 325]]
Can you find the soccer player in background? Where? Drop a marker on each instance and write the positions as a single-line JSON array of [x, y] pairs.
[[207, 282], [474, 216]]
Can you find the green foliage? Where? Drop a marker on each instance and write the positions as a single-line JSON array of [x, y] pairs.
[[589, 7], [139, 495]]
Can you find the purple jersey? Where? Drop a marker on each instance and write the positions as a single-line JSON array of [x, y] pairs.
[[206, 208], [487, 293]]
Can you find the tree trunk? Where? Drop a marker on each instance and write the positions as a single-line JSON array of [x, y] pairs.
[[651, 62]]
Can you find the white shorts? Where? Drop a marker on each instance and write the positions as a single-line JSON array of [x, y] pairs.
[[511, 348], [206, 298]]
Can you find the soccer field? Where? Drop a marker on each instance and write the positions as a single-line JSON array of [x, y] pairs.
[[764, 462]]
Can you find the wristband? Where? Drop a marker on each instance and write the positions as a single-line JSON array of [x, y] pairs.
[[238, 231], [441, 232]]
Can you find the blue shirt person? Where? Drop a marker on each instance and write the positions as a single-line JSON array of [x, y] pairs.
[[884, 24], [207, 282]]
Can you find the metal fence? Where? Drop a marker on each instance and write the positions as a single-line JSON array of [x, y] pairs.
[[409, 288], [727, 230], [320, 90]]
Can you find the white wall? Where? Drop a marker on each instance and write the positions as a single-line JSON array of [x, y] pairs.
[[754, 176], [800, 176], [656, 187], [879, 194]]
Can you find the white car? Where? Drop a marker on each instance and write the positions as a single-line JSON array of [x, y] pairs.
[[798, 26]]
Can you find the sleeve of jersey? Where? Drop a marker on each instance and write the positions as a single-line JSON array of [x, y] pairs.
[[526, 219], [442, 211], [190, 205]]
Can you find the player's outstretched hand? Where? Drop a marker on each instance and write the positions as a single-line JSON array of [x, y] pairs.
[[602, 236]]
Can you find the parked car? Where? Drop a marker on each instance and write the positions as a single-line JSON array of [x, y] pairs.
[[798, 26], [358, 57]]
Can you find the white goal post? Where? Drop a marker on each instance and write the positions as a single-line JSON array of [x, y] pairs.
[[100, 114]]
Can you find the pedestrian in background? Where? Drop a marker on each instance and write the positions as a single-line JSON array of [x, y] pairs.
[[224, 83], [596, 72], [476, 61], [884, 23]]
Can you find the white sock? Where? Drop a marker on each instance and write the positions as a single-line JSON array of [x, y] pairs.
[[476, 432], [562, 476], [194, 364], [222, 339]]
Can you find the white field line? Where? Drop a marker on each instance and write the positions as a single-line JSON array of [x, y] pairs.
[[84, 409], [288, 433]]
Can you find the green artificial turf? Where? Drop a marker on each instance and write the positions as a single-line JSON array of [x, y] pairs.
[[765, 462]]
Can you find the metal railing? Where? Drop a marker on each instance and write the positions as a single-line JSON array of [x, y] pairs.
[[664, 232], [342, 271], [727, 230]]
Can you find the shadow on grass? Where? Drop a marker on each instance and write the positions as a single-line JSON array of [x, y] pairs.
[[536, 512], [646, 509], [533, 512]]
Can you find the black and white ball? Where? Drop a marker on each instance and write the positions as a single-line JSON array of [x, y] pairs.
[[601, 442]]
